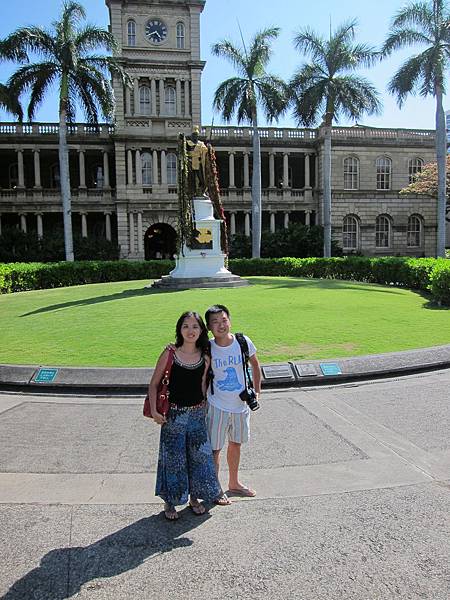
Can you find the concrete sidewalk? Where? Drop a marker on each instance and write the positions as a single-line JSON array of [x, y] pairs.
[[353, 499], [48, 378]]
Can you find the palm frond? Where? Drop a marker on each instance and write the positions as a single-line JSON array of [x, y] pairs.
[[355, 96], [27, 40], [407, 78], [310, 44], [228, 96], [226, 49], [402, 38], [273, 95], [91, 38], [260, 50], [416, 15], [10, 102]]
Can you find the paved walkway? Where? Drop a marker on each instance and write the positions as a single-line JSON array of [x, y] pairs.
[[353, 500]]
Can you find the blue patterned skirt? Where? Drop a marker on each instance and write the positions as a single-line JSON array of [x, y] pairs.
[[185, 463]]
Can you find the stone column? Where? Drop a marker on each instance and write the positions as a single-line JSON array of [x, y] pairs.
[[286, 220], [128, 100], [84, 232], [271, 169], [105, 169], [40, 228], [20, 171], [161, 98], [232, 223], [82, 168], [155, 176], [140, 238], [137, 106], [187, 95], [138, 168], [108, 226], [37, 169], [308, 217], [307, 172], [247, 224], [23, 222], [163, 168], [131, 229], [246, 170], [153, 96], [285, 170], [272, 222], [231, 169], [130, 167], [178, 98]]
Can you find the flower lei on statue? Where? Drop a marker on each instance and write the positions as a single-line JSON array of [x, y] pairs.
[[212, 184], [185, 199]]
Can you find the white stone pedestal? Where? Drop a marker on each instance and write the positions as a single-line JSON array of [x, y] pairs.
[[202, 266]]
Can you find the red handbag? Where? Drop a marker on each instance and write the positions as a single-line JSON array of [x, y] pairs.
[[162, 394]]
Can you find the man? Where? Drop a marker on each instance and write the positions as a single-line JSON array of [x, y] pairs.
[[228, 415]]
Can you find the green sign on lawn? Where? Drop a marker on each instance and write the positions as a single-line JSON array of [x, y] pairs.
[[330, 369], [46, 375]]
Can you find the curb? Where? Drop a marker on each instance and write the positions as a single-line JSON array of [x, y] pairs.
[[134, 381]]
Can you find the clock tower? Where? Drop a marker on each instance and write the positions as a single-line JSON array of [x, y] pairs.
[[159, 43], [159, 46]]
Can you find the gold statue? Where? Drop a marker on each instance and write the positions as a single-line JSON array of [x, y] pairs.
[[197, 152]]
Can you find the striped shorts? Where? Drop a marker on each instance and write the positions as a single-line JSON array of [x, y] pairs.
[[222, 424]]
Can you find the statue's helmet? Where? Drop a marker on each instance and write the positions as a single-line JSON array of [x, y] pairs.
[[196, 129]]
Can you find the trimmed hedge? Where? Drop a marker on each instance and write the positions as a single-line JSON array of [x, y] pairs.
[[425, 274]]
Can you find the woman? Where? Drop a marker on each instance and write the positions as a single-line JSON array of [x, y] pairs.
[[185, 463]]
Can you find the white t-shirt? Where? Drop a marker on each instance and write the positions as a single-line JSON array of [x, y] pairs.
[[228, 382]]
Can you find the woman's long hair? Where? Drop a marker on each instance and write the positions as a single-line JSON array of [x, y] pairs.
[[202, 342]]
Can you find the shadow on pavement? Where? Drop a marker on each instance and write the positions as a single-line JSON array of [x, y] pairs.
[[62, 572]]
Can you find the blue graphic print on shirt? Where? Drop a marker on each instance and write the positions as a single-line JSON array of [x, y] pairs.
[[231, 381]]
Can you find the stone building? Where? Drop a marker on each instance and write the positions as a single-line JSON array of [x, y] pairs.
[[124, 177]]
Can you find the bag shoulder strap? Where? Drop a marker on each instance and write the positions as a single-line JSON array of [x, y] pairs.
[[245, 357], [169, 364]]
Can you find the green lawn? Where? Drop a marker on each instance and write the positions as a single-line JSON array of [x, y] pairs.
[[125, 324]]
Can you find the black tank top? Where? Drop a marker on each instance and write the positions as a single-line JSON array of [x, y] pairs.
[[185, 383]]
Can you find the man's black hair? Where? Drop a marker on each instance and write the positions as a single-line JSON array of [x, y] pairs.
[[214, 310]]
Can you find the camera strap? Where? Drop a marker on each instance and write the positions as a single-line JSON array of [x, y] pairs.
[[245, 358]]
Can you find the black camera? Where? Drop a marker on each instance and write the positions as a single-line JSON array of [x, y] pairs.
[[249, 395]]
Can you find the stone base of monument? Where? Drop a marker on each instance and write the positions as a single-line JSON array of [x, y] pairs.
[[203, 265], [185, 283]]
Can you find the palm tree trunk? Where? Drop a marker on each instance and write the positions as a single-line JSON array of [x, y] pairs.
[[441, 151], [64, 177], [327, 192], [256, 191]]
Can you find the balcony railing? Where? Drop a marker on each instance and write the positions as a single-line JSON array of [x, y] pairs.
[[56, 193], [266, 133], [103, 130]]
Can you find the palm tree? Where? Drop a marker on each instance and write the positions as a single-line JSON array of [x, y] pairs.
[[82, 78], [425, 23], [328, 88], [243, 94]]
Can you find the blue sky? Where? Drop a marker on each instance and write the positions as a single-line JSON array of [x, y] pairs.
[[222, 18]]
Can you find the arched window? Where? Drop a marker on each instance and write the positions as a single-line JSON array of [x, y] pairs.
[[415, 165], [350, 233], [351, 173], [414, 232], [171, 169], [144, 100], [131, 31], [146, 159], [54, 176], [383, 232], [180, 36], [170, 100], [384, 171], [13, 176]]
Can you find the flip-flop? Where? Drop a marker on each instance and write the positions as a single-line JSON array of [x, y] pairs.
[[222, 500], [197, 509], [171, 511], [245, 492]]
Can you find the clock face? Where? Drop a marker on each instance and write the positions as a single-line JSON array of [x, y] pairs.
[[156, 31]]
